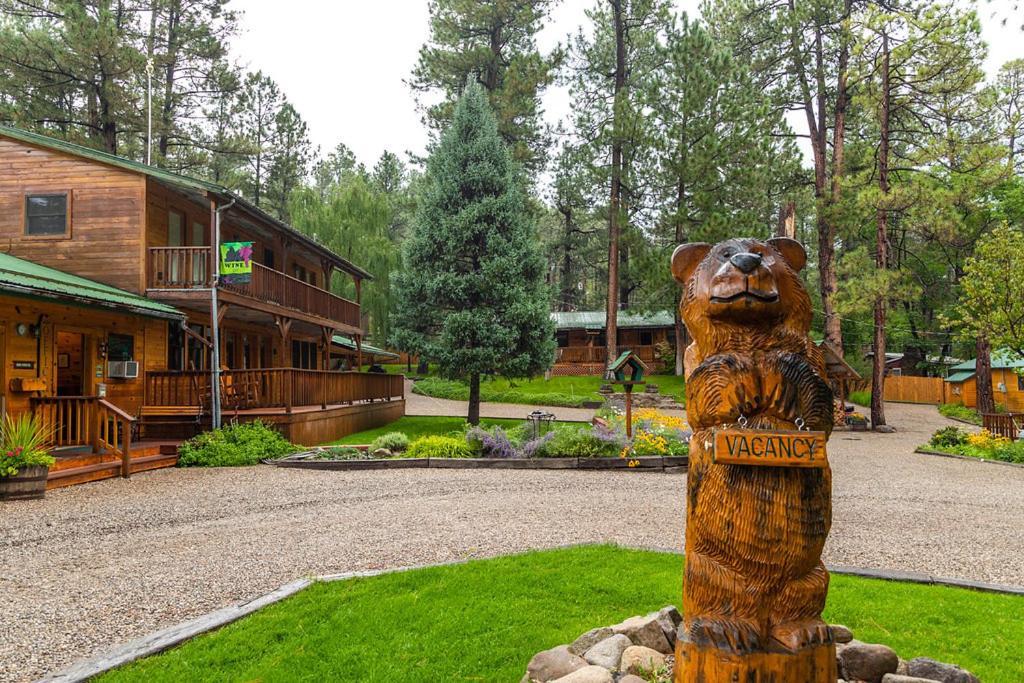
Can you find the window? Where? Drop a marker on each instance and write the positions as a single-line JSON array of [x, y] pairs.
[[563, 339], [646, 338], [198, 235], [1020, 382], [268, 258], [120, 347], [46, 214], [175, 346], [198, 352], [304, 354], [175, 229]]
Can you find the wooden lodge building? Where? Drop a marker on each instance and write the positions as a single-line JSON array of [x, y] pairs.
[[107, 290], [582, 343]]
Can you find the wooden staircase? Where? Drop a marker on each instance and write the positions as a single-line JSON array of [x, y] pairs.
[[80, 466]]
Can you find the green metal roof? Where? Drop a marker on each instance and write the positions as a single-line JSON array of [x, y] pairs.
[[175, 179], [31, 279], [372, 350], [595, 320], [1003, 359], [958, 377]]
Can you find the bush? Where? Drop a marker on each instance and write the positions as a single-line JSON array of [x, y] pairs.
[[958, 411], [580, 442], [949, 436], [396, 442], [497, 442], [341, 453], [439, 447], [234, 445], [861, 398], [23, 444]]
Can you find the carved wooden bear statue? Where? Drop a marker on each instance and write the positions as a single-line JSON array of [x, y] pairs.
[[754, 584]]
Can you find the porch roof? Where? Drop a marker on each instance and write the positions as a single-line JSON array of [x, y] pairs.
[[347, 343], [26, 278], [595, 320], [179, 180]]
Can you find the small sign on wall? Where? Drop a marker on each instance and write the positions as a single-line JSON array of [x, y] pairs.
[[24, 365]]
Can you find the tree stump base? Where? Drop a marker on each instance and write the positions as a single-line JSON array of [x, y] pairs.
[[696, 664]]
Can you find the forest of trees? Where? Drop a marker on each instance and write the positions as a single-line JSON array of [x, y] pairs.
[[906, 158]]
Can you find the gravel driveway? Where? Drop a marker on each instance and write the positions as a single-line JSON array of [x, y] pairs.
[[92, 566]]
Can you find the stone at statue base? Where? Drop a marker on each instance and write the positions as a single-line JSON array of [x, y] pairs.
[[697, 664]]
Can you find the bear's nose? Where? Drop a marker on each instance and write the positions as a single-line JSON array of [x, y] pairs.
[[746, 261]]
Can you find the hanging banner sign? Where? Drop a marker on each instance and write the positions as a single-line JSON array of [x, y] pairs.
[[773, 449], [236, 263]]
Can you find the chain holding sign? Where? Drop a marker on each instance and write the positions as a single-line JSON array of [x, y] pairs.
[[236, 263]]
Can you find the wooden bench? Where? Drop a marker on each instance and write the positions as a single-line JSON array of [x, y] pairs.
[[169, 416]]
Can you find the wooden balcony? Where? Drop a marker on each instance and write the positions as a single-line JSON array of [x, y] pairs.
[[184, 268], [599, 354], [272, 388]]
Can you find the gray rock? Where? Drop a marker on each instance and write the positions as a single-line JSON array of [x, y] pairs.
[[923, 667], [382, 453], [589, 640], [638, 659], [841, 634], [554, 663], [885, 429], [866, 662], [669, 618], [899, 678], [645, 631], [588, 674], [608, 652]]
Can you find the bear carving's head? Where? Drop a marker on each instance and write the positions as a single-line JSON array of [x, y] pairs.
[[742, 283]]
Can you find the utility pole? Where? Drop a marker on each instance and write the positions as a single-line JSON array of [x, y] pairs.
[[215, 315]]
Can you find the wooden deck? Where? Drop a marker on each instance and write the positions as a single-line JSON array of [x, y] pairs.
[[79, 465]]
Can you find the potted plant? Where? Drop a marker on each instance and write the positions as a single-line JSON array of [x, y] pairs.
[[857, 422], [24, 460]]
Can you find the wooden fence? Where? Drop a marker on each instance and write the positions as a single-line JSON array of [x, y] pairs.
[[903, 389], [1003, 424]]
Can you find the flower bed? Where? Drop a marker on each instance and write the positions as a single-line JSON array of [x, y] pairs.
[[983, 445]]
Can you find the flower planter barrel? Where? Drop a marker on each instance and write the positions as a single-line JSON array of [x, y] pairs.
[[28, 483]]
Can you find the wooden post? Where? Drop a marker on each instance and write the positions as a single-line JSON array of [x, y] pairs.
[[629, 411], [754, 584], [126, 447], [359, 353]]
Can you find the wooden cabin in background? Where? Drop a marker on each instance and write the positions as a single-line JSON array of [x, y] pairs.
[[1007, 382], [148, 233], [582, 343]]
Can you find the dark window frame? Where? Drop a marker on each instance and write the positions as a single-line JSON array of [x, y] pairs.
[[129, 342], [26, 217]]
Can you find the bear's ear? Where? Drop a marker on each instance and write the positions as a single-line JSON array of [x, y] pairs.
[[792, 251], [686, 258]]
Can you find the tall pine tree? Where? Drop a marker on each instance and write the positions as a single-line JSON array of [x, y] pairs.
[[471, 296]]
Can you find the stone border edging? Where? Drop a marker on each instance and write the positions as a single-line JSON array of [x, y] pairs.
[[165, 639], [667, 463], [928, 451]]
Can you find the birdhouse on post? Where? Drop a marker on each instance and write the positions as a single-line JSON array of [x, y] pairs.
[[628, 370]]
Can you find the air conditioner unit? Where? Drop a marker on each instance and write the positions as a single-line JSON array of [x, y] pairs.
[[123, 369]]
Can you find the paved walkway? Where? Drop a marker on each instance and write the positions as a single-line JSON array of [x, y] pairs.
[[95, 565]]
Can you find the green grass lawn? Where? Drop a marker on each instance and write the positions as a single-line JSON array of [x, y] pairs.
[[482, 621], [416, 426], [557, 391]]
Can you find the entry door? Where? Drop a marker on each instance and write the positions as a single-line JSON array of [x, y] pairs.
[[71, 366]]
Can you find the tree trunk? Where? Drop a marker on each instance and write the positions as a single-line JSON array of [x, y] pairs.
[[881, 246], [474, 399], [983, 376], [167, 110], [680, 344], [612, 310]]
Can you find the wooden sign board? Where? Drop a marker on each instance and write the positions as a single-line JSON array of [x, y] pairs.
[[770, 448]]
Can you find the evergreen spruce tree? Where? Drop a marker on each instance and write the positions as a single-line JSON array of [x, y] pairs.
[[471, 296]]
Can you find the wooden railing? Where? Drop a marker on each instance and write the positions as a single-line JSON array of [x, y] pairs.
[[275, 287], [272, 388], [86, 421], [1003, 424], [179, 267], [190, 267], [599, 354]]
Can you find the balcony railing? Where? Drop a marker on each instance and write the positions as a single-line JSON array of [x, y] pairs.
[[190, 267], [599, 354], [269, 388]]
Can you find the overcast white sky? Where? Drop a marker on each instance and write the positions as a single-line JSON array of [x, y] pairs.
[[343, 63]]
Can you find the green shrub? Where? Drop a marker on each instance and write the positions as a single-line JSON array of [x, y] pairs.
[[861, 398], [396, 442], [958, 411], [579, 442], [439, 447], [342, 453], [234, 445], [949, 436]]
